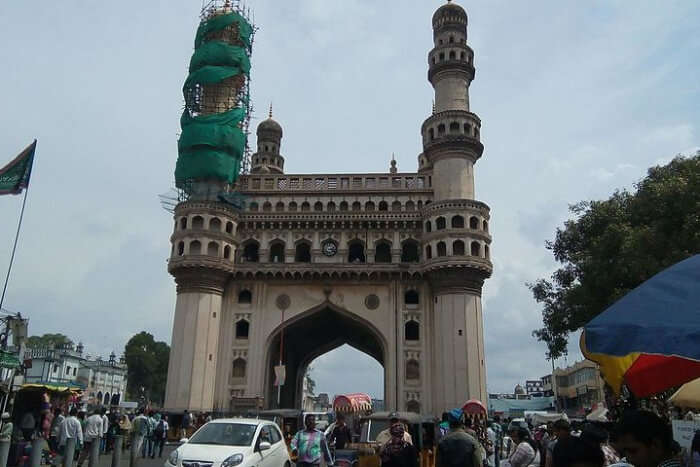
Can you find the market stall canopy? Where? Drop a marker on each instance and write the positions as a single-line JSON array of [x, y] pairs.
[[358, 402], [649, 338], [70, 387], [688, 395]]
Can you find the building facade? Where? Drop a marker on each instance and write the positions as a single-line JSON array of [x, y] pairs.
[[55, 365], [578, 387], [104, 380], [391, 263]]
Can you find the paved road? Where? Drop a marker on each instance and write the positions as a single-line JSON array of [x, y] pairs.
[[106, 460]]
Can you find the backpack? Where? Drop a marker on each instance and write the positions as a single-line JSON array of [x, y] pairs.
[[160, 429]]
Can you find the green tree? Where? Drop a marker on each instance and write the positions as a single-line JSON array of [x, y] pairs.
[[147, 362], [47, 340], [612, 246]]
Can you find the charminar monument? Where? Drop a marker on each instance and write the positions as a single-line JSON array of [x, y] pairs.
[[392, 264]]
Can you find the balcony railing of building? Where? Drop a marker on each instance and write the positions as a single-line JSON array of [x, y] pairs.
[[324, 183]]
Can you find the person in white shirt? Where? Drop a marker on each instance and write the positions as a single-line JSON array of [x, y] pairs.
[[70, 428], [93, 434], [105, 428]]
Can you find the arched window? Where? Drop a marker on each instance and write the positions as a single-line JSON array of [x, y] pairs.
[[442, 56], [428, 226], [458, 248], [413, 407], [356, 206], [267, 207], [279, 207], [476, 249], [457, 222], [242, 329], [382, 253], [195, 248], [331, 207], [197, 222], [106, 399], [419, 204], [356, 252], [383, 206], [462, 56], [453, 55], [440, 223], [454, 127], [431, 132], [253, 207], [486, 226], [396, 206], [215, 224], [369, 206], [293, 206], [410, 206], [238, 368], [487, 252], [302, 253], [343, 205], [245, 296], [318, 207], [441, 129], [227, 252], [305, 207], [183, 223], [476, 133], [441, 249], [229, 227], [411, 331], [411, 297], [277, 252], [251, 252], [412, 369], [429, 252], [473, 223], [181, 248], [467, 129], [213, 249], [99, 397], [410, 252]]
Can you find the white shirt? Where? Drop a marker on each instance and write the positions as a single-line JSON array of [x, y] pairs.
[[70, 428], [93, 427], [105, 425]]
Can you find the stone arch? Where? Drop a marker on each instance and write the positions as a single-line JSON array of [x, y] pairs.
[[215, 224], [428, 226], [428, 252], [457, 222], [485, 226], [227, 252], [411, 298], [181, 248], [383, 206], [476, 249], [183, 223], [396, 206], [292, 206], [347, 328], [213, 249], [441, 249], [440, 223], [245, 296], [369, 206], [410, 251], [356, 206], [305, 206], [356, 251], [487, 252], [411, 330], [382, 252], [279, 207], [267, 207], [229, 227], [343, 206], [412, 369], [318, 206], [198, 222], [458, 248], [238, 370], [302, 252], [195, 247], [331, 207], [473, 223], [277, 251], [410, 205], [251, 251]]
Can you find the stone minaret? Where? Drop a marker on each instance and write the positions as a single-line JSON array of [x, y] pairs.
[[268, 158], [456, 236]]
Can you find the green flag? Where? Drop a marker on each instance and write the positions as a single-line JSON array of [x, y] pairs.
[[14, 177]]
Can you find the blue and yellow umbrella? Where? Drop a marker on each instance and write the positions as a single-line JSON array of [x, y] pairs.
[[650, 339]]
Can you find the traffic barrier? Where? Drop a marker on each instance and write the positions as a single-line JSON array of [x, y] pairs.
[[116, 450], [4, 452]]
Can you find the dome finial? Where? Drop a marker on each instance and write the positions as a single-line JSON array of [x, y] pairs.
[[270, 109]]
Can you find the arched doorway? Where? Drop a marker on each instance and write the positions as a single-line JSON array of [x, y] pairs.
[[310, 335]]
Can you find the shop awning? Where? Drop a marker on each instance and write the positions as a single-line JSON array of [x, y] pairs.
[[56, 387], [352, 403]]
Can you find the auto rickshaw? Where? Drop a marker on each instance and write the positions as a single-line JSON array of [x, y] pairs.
[[421, 428]]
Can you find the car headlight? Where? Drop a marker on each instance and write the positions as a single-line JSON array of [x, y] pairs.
[[233, 460], [173, 457]]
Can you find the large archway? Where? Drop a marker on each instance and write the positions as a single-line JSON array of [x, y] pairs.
[[310, 335]]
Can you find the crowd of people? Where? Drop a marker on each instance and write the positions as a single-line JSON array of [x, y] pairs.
[[639, 438]]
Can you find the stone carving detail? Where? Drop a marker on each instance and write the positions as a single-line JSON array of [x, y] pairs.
[[283, 301], [372, 302]]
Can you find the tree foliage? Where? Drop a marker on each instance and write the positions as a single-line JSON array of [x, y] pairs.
[[48, 340], [147, 362], [612, 246]]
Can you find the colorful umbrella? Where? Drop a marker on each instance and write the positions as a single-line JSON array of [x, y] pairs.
[[475, 407], [688, 395], [650, 338]]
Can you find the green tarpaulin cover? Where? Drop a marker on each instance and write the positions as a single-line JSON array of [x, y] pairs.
[[211, 147]]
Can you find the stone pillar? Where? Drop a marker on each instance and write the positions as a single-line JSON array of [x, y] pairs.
[[194, 350], [458, 336]]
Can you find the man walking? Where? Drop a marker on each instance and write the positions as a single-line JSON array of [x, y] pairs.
[[139, 429], [70, 428], [309, 444], [186, 423], [105, 430], [56, 424], [341, 434], [458, 448], [159, 436], [93, 434]]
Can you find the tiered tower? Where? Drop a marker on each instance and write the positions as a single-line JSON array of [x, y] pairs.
[[456, 239]]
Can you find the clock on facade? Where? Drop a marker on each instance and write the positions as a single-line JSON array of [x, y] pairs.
[[330, 248]]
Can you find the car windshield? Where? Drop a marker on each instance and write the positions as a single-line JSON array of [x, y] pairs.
[[225, 434], [376, 427]]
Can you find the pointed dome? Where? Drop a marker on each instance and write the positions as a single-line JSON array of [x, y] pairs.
[[269, 125]]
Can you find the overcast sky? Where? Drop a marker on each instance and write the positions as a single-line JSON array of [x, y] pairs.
[[576, 99]]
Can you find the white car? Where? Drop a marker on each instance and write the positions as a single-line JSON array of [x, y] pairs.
[[234, 442]]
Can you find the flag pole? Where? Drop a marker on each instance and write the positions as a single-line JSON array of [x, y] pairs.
[[14, 248]]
